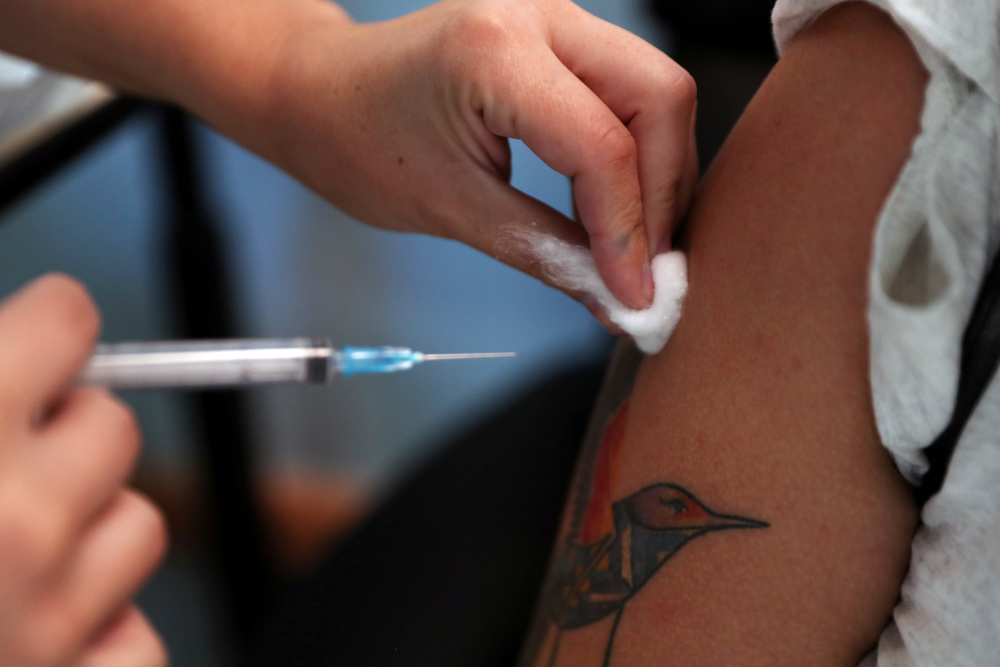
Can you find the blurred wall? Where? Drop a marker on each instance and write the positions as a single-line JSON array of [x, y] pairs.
[[302, 267]]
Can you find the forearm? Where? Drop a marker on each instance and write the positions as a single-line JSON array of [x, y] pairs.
[[213, 57], [760, 405], [404, 123]]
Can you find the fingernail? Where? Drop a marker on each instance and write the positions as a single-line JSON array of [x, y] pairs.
[[648, 287]]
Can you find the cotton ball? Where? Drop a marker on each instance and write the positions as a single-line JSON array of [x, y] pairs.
[[572, 267]]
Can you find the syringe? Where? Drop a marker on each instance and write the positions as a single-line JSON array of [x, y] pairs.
[[237, 363]]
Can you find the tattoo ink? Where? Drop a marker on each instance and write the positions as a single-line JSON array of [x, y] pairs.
[[614, 547], [595, 579]]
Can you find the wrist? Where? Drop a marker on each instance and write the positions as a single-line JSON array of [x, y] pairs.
[[241, 53]]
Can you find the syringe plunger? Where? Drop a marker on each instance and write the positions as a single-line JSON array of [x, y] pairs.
[[236, 363]]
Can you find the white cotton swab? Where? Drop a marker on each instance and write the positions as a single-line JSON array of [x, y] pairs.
[[572, 267]]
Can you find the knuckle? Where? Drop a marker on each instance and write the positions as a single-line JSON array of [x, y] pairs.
[[480, 34], [122, 424], [617, 148], [482, 24], [150, 527], [681, 88], [116, 426]]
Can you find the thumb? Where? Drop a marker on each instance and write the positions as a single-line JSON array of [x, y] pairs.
[[515, 221], [568, 126]]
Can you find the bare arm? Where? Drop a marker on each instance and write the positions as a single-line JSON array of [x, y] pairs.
[[404, 123], [739, 509], [214, 58]]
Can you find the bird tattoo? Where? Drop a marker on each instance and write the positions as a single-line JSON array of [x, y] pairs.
[[615, 547]]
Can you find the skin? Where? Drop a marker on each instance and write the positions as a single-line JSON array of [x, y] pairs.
[[404, 124], [760, 403], [75, 544]]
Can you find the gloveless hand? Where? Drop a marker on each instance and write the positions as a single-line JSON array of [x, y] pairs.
[[75, 544], [404, 125]]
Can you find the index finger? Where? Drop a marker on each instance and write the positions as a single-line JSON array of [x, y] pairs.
[[47, 332], [570, 129], [652, 95]]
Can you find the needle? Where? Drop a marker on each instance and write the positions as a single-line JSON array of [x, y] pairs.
[[237, 363], [468, 355]]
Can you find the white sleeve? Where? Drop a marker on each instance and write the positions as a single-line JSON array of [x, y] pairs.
[[939, 226], [937, 233]]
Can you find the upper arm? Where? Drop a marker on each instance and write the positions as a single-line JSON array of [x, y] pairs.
[[758, 412]]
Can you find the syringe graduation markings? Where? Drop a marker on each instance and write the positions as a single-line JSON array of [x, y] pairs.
[[236, 363]]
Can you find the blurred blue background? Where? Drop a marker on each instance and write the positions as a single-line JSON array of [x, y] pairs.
[[300, 266], [303, 267]]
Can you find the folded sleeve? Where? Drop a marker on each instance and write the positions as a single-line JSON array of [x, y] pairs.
[[939, 226], [936, 234]]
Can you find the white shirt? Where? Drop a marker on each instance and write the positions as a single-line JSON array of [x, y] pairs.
[[937, 233]]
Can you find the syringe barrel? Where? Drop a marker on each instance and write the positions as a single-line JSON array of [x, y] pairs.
[[208, 363]]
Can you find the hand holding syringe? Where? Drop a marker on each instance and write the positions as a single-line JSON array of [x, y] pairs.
[[236, 363]]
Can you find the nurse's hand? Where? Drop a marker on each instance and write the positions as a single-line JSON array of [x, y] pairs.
[[75, 545], [404, 124]]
